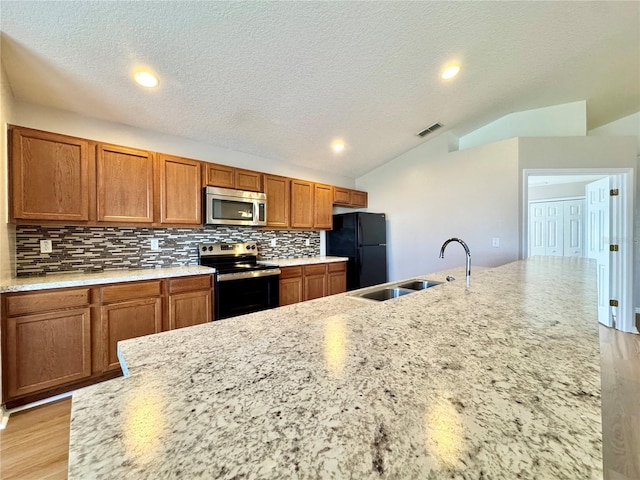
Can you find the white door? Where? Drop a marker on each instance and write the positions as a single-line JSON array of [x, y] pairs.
[[598, 235], [536, 229], [553, 221], [574, 228]]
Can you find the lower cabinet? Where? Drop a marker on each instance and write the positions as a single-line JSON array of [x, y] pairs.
[[307, 282], [59, 339]]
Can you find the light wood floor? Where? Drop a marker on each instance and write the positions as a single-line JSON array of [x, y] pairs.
[[35, 443]]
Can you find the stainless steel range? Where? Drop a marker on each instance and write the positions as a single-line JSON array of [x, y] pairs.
[[241, 284]]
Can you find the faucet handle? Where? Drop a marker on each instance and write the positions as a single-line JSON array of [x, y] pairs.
[[450, 278]]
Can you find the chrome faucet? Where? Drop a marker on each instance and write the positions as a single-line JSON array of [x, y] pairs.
[[466, 249]]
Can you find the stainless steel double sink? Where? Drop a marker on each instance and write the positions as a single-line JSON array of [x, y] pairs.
[[388, 292]]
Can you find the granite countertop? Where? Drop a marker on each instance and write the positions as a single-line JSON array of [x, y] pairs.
[[500, 380], [294, 262], [77, 279]]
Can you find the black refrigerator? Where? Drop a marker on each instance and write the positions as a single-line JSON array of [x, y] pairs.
[[363, 238]]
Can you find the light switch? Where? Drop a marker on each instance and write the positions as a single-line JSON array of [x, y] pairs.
[[272, 242], [495, 242], [307, 242]]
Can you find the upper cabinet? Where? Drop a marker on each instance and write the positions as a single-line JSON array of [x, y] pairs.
[[229, 177], [349, 198], [124, 179], [277, 190], [58, 179], [322, 206], [50, 176], [180, 192], [301, 204]]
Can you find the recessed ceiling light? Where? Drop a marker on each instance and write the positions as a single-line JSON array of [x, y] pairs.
[[338, 146], [450, 72], [146, 79]]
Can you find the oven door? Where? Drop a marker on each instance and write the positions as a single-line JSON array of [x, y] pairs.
[[239, 296]]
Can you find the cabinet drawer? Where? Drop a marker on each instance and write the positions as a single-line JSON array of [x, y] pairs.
[[319, 269], [128, 291], [185, 284], [19, 304], [337, 267], [290, 272]]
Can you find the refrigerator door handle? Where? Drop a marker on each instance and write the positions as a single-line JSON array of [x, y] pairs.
[[359, 232], [358, 262]]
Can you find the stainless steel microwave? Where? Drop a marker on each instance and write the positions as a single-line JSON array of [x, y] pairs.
[[224, 206]]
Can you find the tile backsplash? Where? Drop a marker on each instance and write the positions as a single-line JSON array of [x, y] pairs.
[[114, 248]]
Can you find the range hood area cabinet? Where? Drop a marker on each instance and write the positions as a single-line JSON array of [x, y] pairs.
[[63, 180]]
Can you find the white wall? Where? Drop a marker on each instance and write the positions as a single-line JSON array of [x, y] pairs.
[[7, 232], [430, 194], [58, 121], [566, 120]]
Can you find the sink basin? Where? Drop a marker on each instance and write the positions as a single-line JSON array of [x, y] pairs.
[[385, 293], [419, 284]]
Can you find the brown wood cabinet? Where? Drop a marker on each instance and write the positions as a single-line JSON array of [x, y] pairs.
[[301, 204], [50, 176], [322, 206], [315, 281], [349, 198], [307, 282], [124, 185], [229, 177], [180, 191], [336, 277], [56, 340], [45, 343], [291, 285], [128, 311], [190, 301], [278, 194]]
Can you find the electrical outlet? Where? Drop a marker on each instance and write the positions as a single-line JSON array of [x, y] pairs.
[[495, 242], [155, 244], [272, 242], [46, 246], [307, 242]]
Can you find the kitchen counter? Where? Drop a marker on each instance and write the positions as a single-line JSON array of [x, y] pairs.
[[500, 380], [77, 279], [294, 262]]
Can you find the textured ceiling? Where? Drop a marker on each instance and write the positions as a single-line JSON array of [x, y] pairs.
[[284, 79]]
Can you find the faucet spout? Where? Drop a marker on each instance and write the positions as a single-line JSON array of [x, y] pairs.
[[466, 249]]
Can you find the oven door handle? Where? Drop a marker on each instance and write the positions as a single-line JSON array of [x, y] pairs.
[[225, 277]]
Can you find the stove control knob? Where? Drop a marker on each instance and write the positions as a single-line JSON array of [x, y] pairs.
[[210, 248]]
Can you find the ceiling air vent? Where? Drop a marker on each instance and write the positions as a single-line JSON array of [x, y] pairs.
[[429, 129]]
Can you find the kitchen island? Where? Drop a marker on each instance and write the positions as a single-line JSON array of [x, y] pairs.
[[498, 380]]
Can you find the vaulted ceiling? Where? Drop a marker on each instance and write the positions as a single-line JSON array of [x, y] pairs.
[[283, 80]]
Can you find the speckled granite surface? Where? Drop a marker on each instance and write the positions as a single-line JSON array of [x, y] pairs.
[[498, 381], [25, 284], [294, 262]]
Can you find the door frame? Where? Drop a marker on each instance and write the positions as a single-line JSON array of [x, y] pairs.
[[621, 263]]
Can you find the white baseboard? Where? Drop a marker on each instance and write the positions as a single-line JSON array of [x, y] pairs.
[[4, 419], [637, 310], [7, 413]]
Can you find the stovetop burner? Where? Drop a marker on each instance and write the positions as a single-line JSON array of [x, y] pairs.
[[234, 260]]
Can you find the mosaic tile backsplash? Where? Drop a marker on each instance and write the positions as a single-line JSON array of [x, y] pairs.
[[93, 249]]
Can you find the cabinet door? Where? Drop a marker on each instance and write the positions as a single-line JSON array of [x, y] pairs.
[[50, 176], [124, 185], [337, 278], [180, 191], [322, 207], [248, 180], [277, 190], [291, 288], [47, 350], [189, 308], [341, 196], [315, 281], [301, 204], [121, 321], [219, 175], [359, 199]]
